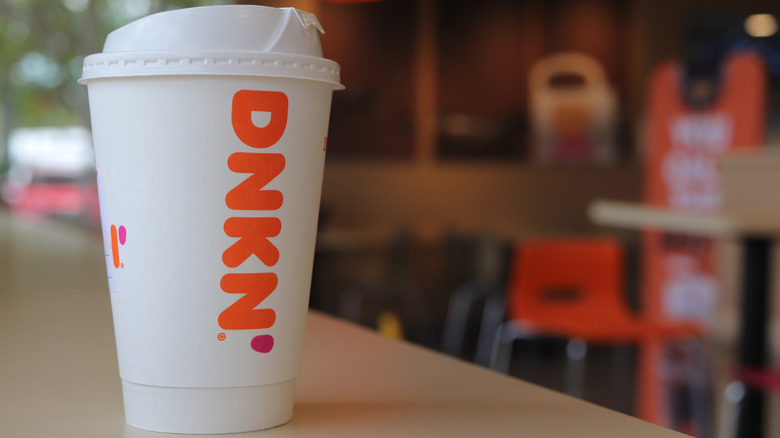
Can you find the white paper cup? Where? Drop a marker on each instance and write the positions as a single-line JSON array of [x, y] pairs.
[[209, 127]]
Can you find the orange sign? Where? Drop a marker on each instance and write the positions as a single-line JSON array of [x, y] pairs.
[[685, 141]]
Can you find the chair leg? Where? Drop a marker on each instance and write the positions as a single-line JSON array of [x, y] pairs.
[[576, 351], [701, 376], [457, 318], [732, 402], [351, 304], [492, 316], [501, 353], [621, 377], [505, 336]]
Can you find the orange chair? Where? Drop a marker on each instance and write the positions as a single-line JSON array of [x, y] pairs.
[[573, 289]]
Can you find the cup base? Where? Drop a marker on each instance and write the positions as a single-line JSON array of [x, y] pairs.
[[208, 410]]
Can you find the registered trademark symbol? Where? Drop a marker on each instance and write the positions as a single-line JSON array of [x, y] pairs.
[[221, 336]]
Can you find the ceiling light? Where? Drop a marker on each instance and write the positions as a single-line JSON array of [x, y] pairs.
[[761, 25]]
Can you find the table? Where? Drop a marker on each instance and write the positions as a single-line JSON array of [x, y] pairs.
[[58, 370], [756, 234]]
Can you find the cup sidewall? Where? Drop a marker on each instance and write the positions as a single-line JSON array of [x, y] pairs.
[[162, 146]]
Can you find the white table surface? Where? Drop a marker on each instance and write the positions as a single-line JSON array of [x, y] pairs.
[[58, 370], [638, 216]]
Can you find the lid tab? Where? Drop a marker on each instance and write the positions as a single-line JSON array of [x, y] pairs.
[[308, 20]]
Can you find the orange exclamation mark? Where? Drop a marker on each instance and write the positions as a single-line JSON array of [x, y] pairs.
[[115, 246]]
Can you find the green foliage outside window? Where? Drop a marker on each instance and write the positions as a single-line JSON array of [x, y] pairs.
[[42, 47]]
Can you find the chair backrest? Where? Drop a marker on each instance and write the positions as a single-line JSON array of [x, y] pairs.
[[568, 280]]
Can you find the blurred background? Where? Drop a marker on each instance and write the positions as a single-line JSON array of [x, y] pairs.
[[444, 149]]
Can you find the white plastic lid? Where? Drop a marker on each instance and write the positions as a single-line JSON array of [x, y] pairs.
[[216, 40]]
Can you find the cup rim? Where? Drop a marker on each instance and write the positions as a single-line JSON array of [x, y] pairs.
[[219, 63]]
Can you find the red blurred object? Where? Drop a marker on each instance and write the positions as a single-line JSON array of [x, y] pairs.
[[41, 199], [352, 1], [51, 173], [767, 380]]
